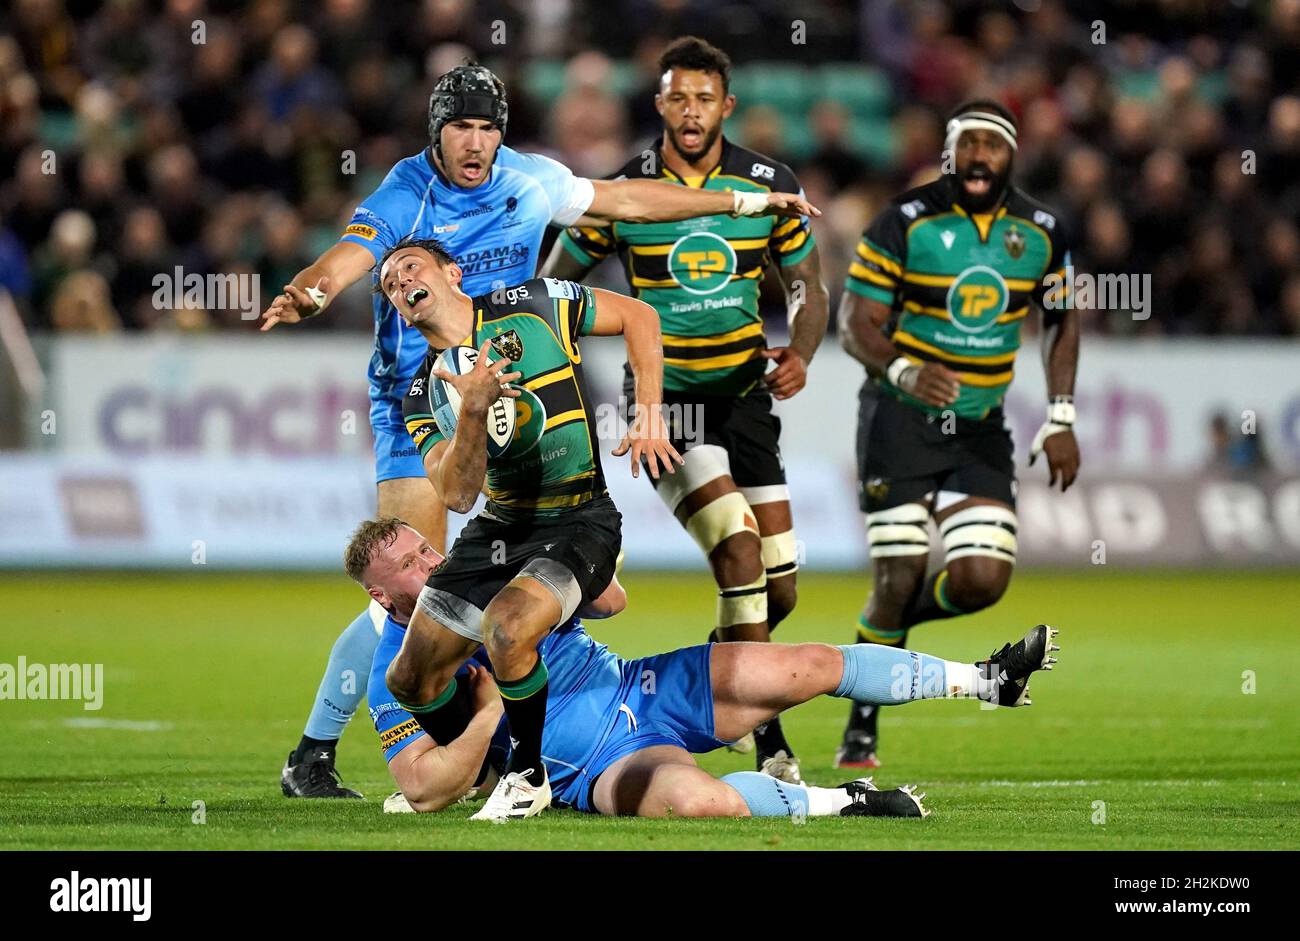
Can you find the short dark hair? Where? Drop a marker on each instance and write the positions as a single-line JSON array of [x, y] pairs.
[[432, 246], [984, 104], [369, 538], [697, 55]]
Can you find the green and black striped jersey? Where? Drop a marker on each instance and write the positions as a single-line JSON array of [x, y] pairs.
[[536, 326], [959, 285], [703, 274]]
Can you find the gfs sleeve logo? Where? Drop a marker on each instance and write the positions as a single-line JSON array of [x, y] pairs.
[[363, 231]]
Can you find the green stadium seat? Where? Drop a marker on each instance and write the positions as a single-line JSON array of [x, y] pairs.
[[875, 141], [544, 79], [59, 130], [861, 89], [1143, 84], [783, 86]]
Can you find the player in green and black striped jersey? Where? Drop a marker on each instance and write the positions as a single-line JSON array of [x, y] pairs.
[[936, 296], [547, 542], [703, 276]]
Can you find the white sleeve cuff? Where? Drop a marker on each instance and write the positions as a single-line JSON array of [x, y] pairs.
[[578, 200]]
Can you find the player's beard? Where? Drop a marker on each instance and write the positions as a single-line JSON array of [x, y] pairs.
[[401, 605], [710, 138], [985, 201]]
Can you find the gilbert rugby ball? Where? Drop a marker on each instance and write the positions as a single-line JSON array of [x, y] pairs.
[[459, 360]]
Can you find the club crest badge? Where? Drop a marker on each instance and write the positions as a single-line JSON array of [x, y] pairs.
[[1014, 242], [509, 345]]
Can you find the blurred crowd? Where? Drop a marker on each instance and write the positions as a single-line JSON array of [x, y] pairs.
[[226, 138]]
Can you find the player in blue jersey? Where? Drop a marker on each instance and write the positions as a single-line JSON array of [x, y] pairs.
[[393, 561], [620, 734], [490, 205]]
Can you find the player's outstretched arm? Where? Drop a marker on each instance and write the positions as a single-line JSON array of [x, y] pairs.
[[638, 322], [861, 323], [808, 307], [312, 288], [433, 776], [658, 201], [456, 467]]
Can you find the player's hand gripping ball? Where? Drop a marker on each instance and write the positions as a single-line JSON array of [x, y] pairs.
[[514, 424]]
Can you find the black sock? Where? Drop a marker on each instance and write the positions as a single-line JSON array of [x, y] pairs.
[[307, 744], [928, 604], [525, 704], [769, 739], [446, 717]]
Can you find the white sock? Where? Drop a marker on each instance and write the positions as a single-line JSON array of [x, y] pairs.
[[963, 681], [827, 801]]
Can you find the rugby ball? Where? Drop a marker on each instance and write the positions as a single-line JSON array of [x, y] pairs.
[[459, 360], [530, 422]]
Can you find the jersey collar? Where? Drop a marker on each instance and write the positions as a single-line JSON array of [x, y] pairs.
[[442, 178], [663, 164]]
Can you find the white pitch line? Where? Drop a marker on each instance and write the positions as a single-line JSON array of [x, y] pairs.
[[124, 725]]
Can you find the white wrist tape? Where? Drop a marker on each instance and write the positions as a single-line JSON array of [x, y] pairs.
[[1060, 412], [1060, 417], [748, 204], [317, 297], [895, 371]]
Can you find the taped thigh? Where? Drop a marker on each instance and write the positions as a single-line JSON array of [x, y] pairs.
[[899, 531], [980, 530], [559, 581], [721, 518], [704, 464], [456, 614], [780, 554], [780, 550], [770, 493]]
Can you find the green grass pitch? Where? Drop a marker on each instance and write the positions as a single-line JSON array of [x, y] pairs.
[[208, 679]]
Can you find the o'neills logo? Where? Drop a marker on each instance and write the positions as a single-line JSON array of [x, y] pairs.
[[76, 894]]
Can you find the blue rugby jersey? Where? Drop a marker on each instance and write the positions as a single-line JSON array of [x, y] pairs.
[[494, 231], [580, 669]]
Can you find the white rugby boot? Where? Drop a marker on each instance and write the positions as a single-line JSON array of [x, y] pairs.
[[514, 798]]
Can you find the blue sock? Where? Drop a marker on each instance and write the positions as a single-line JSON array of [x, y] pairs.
[[765, 796], [883, 676], [344, 684]]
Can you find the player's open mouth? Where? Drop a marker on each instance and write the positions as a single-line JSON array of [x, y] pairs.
[[978, 181], [692, 136], [414, 296], [472, 169]]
